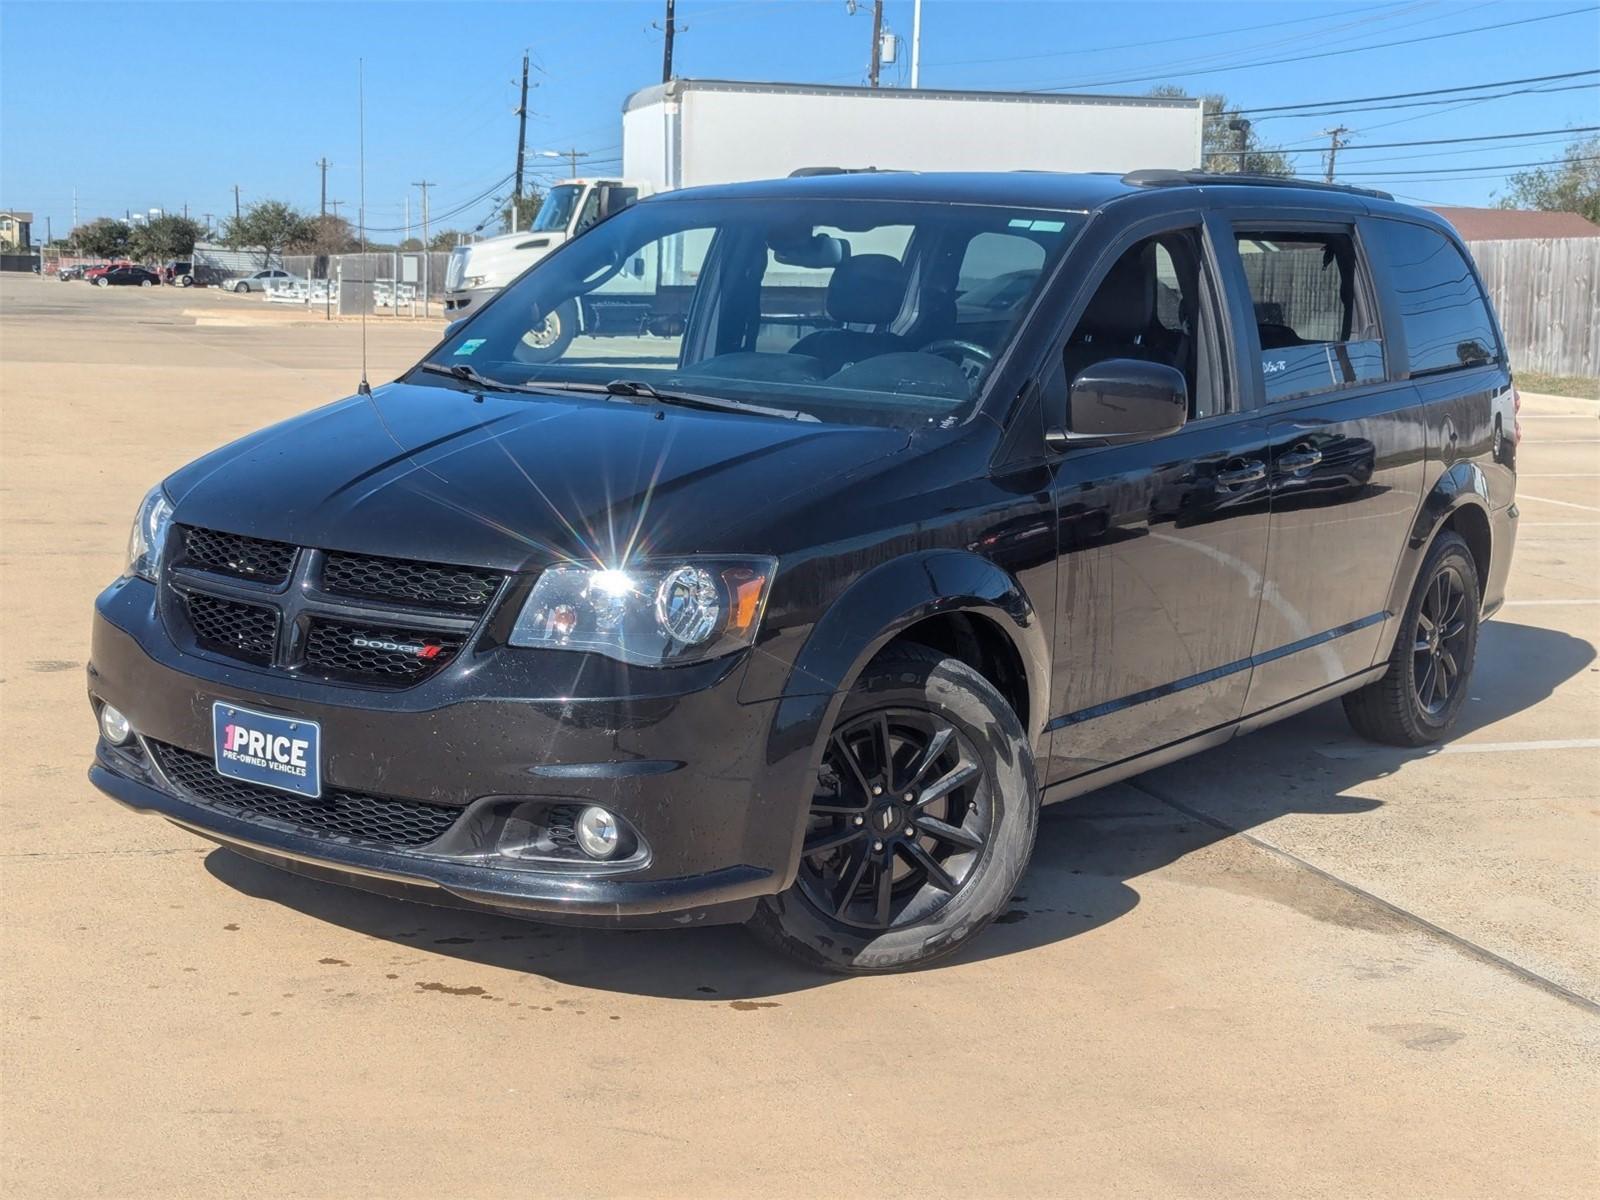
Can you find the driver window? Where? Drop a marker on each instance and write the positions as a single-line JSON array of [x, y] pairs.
[[1149, 307]]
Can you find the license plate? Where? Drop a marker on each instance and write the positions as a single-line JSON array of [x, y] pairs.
[[275, 752]]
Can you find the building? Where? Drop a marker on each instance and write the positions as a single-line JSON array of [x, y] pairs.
[[1515, 224], [16, 230]]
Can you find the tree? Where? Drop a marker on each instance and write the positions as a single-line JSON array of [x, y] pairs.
[[103, 238], [446, 239], [330, 235], [164, 238], [270, 226], [525, 210], [1572, 186], [1221, 139]]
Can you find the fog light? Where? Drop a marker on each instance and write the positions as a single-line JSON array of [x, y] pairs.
[[598, 832], [114, 726]]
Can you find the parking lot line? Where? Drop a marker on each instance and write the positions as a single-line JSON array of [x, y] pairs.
[[1533, 603], [1343, 751], [1559, 475], [1562, 503]]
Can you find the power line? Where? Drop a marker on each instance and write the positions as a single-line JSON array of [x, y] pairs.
[[1482, 137], [1188, 37], [1468, 87], [1334, 112], [1548, 162], [1431, 37]]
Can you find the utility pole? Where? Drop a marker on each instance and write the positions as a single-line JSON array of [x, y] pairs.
[[1335, 141], [1241, 126], [572, 156], [877, 43], [669, 27], [522, 142], [916, 43], [74, 208], [324, 164], [236, 217], [426, 259], [333, 204]]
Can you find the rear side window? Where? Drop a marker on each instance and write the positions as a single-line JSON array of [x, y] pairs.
[[1442, 308], [1314, 318]]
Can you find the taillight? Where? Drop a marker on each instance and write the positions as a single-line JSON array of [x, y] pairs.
[[1516, 416]]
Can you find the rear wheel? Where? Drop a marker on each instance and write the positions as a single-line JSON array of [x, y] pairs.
[[241, 286], [146, 283], [921, 824], [549, 340], [102, 282], [1419, 697]]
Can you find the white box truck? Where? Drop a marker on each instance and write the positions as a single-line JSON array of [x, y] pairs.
[[693, 132]]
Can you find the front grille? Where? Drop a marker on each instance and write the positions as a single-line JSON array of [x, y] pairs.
[[243, 557], [352, 618], [432, 585], [247, 631], [362, 818], [368, 654]]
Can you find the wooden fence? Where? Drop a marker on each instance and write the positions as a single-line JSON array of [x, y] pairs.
[[1547, 292]]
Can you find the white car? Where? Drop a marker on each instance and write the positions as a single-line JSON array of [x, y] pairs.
[[261, 281]]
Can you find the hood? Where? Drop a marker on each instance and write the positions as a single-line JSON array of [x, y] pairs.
[[418, 471]]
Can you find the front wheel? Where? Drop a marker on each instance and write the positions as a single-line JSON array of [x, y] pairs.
[[102, 282], [146, 283], [1420, 696], [921, 824], [241, 287]]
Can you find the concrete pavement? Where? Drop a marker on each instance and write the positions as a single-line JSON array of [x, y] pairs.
[[1299, 965]]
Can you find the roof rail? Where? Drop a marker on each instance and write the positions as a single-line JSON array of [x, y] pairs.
[[1160, 177], [807, 172]]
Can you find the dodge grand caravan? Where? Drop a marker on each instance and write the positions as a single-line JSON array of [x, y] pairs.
[[860, 515]]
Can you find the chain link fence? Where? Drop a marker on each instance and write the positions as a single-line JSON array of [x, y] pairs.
[[406, 283]]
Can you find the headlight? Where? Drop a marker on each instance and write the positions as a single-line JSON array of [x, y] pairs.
[[651, 614], [149, 535]]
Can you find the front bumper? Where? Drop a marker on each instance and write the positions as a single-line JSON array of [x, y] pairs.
[[689, 770], [466, 301]]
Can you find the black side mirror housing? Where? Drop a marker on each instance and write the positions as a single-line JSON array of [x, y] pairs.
[[451, 329], [1121, 400]]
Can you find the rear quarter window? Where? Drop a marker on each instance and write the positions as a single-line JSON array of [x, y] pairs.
[[1442, 308]]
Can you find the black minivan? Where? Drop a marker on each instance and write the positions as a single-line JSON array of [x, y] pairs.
[[851, 518]]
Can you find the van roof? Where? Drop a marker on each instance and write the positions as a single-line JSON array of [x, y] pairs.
[[1081, 192]]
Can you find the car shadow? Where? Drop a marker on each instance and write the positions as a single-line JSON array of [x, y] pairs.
[[1089, 851]]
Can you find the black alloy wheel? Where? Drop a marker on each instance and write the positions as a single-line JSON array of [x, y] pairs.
[[1420, 695], [896, 826], [1439, 647], [919, 826]]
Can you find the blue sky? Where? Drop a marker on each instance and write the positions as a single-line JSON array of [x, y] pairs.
[[144, 104]]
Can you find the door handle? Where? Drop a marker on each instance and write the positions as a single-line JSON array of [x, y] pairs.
[[1302, 459], [1250, 470]]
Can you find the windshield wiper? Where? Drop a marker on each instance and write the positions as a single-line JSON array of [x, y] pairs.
[[638, 389], [468, 375]]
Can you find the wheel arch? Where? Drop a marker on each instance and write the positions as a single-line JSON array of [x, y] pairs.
[[1458, 502], [951, 600]]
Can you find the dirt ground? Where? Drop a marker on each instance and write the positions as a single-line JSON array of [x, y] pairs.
[[1300, 965]]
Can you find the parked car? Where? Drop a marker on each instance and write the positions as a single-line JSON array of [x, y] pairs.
[[185, 273], [126, 275], [76, 271], [260, 281], [800, 627]]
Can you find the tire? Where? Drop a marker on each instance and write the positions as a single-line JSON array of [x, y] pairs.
[[146, 283], [1420, 696], [102, 282], [241, 287], [185, 280], [551, 340], [976, 808]]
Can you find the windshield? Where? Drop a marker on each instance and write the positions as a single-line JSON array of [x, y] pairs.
[[862, 311], [557, 208]]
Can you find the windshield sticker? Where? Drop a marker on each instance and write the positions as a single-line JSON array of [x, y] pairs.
[[469, 346]]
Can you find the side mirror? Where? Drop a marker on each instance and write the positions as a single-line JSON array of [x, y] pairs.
[[1122, 400], [451, 329]]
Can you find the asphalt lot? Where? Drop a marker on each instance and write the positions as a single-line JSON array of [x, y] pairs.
[[1300, 965]]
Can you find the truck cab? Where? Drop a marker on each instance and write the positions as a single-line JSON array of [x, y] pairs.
[[479, 270]]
